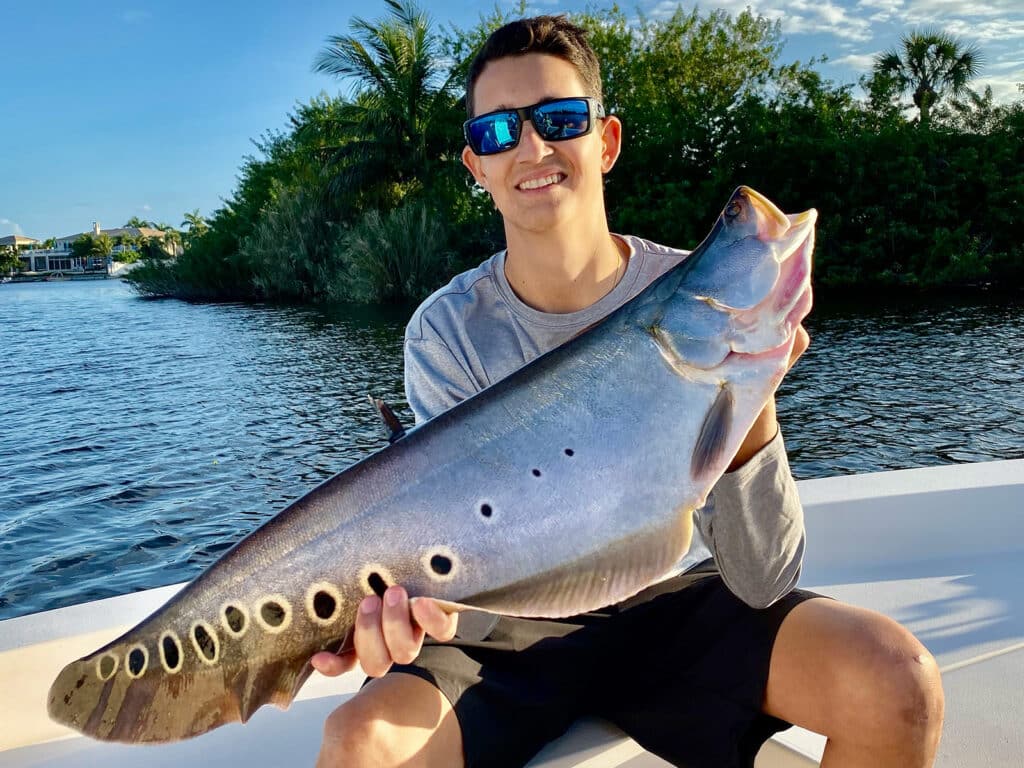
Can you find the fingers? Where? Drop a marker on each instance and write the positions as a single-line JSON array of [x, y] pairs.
[[331, 664], [402, 636], [801, 340], [385, 632], [389, 631], [429, 615]]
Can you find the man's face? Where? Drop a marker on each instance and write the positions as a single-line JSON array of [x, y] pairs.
[[542, 185]]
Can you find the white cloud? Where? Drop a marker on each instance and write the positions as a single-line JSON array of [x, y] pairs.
[[8, 224], [858, 61], [798, 17], [1001, 65], [932, 12], [885, 5], [146, 207], [1004, 90], [987, 31]]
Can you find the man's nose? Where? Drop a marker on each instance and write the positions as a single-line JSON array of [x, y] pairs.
[[532, 146]]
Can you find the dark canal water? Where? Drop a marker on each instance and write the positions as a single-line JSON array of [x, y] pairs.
[[139, 439]]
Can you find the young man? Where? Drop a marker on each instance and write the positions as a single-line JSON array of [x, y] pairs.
[[699, 669]]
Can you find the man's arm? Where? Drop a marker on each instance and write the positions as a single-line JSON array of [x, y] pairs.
[[753, 520], [754, 525]]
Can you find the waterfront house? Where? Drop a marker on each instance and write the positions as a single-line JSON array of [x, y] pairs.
[[61, 257], [23, 244]]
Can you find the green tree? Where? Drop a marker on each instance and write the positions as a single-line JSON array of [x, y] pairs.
[[171, 237], [9, 259], [138, 223], [82, 247], [397, 131], [196, 224], [393, 258], [929, 65], [102, 246]]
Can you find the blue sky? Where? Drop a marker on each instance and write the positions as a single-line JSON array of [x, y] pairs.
[[146, 108]]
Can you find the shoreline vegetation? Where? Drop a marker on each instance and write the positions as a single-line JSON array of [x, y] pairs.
[[363, 197]]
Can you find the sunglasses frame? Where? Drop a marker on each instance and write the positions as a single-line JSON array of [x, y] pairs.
[[595, 111]]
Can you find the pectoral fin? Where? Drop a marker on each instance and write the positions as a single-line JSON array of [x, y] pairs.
[[714, 433]]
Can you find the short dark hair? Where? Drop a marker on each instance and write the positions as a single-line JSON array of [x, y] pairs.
[[553, 35]]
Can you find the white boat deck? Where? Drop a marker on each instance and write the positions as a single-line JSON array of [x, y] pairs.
[[938, 549]]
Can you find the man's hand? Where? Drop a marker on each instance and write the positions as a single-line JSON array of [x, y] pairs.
[[389, 631], [766, 426]]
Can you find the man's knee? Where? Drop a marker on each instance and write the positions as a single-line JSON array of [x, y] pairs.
[[917, 705], [354, 735], [907, 705], [395, 720]]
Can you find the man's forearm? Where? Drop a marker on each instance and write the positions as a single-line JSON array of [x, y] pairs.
[[758, 437]]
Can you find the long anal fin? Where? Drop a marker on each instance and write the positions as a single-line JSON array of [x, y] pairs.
[[149, 704]]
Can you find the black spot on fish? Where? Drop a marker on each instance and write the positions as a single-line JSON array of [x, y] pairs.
[[485, 510], [136, 661], [570, 452], [536, 473], [324, 605], [106, 667], [172, 653], [441, 565], [377, 584], [80, 683], [205, 642], [235, 619], [273, 613]]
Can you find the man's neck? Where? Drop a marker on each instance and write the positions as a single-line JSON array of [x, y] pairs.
[[563, 272]]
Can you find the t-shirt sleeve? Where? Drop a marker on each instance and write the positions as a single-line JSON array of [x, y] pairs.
[[754, 524], [435, 380]]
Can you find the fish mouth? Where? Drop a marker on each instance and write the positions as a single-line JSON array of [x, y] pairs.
[[773, 224]]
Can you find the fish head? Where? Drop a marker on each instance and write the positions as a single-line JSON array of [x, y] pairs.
[[750, 214], [739, 264]]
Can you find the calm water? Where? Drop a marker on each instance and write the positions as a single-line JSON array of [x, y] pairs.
[[139, 439]]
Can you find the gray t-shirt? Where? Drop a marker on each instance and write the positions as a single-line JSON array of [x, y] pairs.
[[476, 331]]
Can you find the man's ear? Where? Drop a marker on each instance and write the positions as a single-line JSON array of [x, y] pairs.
[[472, 162], [611, 142]]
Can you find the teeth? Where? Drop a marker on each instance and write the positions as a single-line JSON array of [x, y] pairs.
[[554, 178]]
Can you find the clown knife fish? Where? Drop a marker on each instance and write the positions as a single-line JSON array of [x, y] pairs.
[[567, 486]]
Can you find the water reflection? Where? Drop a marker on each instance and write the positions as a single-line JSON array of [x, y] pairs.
[[906, 384]]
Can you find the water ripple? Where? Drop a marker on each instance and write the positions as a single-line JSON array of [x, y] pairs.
[[142, 438]]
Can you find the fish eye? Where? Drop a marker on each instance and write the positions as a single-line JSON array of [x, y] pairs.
[[733, 209]]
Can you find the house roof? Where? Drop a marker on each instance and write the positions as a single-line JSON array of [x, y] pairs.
[[17, 240], [119, 232]]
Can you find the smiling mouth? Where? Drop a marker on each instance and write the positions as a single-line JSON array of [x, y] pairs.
[[546, 181]]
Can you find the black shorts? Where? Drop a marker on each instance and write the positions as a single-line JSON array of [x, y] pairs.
[[681, 668]]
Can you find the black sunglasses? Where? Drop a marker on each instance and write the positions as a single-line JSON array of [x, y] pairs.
[[556, 120]]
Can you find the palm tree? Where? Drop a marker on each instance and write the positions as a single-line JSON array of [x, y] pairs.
[[929, 65], [394, 128], [196, 224], [138, 223], [171, 238]]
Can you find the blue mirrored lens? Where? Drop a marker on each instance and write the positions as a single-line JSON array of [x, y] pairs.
[[562, 119], [494, 133]]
